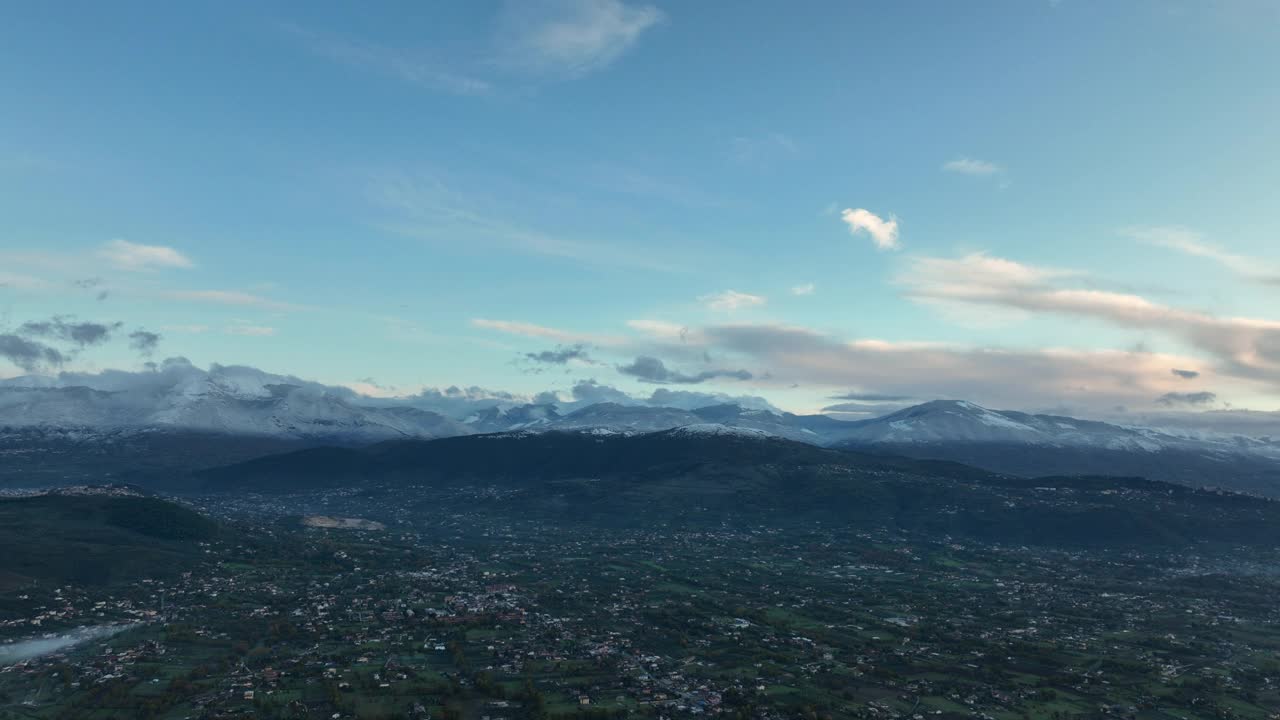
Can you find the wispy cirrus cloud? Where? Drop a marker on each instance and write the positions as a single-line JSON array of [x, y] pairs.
[[565, 39], [408, 65], [972, 167], [731, 300], [532, 330], [804, 289], [884, 233], [126, 255], [1190, 242], [230, 297], [430, 209]]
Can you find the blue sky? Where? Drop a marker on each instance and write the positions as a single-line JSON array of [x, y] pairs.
[[1040, 205]]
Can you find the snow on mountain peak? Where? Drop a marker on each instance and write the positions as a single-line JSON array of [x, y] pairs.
[[716, 429]]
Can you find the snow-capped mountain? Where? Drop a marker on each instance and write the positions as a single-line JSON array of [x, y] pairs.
[[226, 400], [241, 402], [625, 417], [521, 417], [1036, 445], [960, 422]]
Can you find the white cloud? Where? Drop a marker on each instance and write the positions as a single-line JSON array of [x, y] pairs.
[[229, 297], [804, 289], [970, 166], [570, 38], [1245, 347], [406, 65], [21, 282], [731, 300], [883, 232], [186, 329], [250, 330], [133, 256], [1192, 243], [660, 329], [1092, 380], [525, 329]]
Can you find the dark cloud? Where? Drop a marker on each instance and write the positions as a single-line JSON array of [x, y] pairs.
[[590, 391], [862, 410], [650, 369], [29, 354], [1195, 398], [692, 400], [1186, 374], [87, 283], [871, 397], [144, 341], [64, 328], [458, 402], [561, 355], [546, 397]]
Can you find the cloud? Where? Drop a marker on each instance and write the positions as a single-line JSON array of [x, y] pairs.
[[805, 289], [1036, 378], [144, 341], [229, 297], [731, 300], [862, 411], [661, 329], [460, 402], [64, 328], [970, 166], [872, 397], [525, 329], [17, 281], [1177, 398], [692, 400], [431, 210], [590, 392], [652, 370], [125, 255], [249, 330], [1186, 374], [405, 65], [1245, 347], [884, 233], [29, 355], [561, 355], [564, 39], [1191, 243]]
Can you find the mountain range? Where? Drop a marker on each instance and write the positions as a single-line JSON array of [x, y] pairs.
[[706, 475], [181, 418]]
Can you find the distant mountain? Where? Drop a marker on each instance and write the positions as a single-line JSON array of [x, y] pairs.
[[229, 400], [46, 456], [139, 426], [521, 417], [1033, 445], [706, 475]]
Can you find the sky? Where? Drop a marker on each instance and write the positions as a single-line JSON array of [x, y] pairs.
[[1063, 205]]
